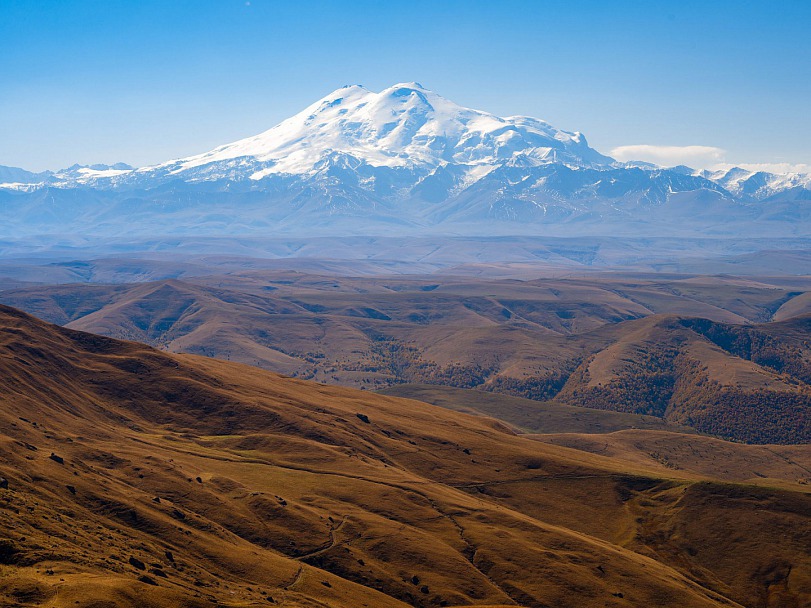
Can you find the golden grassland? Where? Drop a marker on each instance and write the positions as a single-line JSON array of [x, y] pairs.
[[140, 478]]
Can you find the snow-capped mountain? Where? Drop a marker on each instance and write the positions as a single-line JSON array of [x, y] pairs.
[[404, 126], [758, 185], [401, 159]]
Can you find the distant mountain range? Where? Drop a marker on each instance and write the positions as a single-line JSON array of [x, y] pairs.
[[404, 160]]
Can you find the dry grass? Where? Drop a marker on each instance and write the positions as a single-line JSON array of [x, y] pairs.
[[325, 496]]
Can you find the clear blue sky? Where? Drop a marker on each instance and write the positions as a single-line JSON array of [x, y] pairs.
[[143, 81]]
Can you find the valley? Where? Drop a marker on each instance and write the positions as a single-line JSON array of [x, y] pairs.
[[698, 351]]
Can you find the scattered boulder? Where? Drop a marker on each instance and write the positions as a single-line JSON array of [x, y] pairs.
[[158, 572], [137, 563], [425, 589], [8, 551], [178, 514], [148, 580], [170, 556], [363, 418], [3, 483], [56, 458], [415, 580], [71, 489]]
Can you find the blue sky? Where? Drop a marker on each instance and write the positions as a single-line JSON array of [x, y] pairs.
[[143, 81]]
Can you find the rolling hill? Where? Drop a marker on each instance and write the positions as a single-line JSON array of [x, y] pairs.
[[749, 383], [689, 349], [133, 476]]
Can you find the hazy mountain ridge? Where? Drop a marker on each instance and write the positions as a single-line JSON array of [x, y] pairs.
[[405, 159]]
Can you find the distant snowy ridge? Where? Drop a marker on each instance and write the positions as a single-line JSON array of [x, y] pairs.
[[403, 159]]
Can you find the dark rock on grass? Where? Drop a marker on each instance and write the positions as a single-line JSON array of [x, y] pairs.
[[363, 418], [137, 563], [8, 551], [148, 580], [56, 458]]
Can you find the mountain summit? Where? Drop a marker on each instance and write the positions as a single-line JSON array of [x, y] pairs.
[[403, 160], [404, 125]]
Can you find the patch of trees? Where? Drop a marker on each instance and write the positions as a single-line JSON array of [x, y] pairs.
[[644, 385], [782, 354], [540, 387], [762, 416]]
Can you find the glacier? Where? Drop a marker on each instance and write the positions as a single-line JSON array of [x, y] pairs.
[[404, 160]]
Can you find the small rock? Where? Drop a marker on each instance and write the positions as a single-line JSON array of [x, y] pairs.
[[156, 499], [148, 580], [326, 583], [425, 589], [4, 483], [170, 557], [158, 572], [137, 563], [363, 418], [8, 551], [415, 579], [71, 489], [56, 458], [178, 514], [199, 479]]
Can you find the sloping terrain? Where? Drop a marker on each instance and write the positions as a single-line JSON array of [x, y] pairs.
[[378, 330], [594, 341], [750, 383], [705, 456], [528, 416], [135, 477]]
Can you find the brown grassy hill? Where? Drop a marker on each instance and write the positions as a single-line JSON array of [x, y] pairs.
[[374, 331], [590, 341], [137, 478], [705, 456], [529, 416], [746, 383]]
